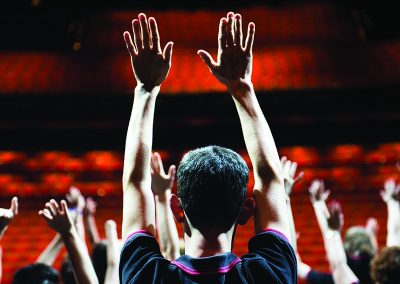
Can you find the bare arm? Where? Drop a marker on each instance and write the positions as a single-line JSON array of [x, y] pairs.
[[162, 184], [330, 220], [6, 216], [113, 253], [150, 67], [372, 230], [290, 179], [233, 69], [90, 221], [58, 218], [50, 253], [391, 196]]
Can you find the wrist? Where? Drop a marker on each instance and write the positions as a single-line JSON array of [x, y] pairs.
[[163, 196], [240, 87], [144, 89]]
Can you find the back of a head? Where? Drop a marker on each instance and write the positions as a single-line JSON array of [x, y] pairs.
[[212, 186], [67, 272], [36, 273], [385, 268], [357, 243], [99, 260]]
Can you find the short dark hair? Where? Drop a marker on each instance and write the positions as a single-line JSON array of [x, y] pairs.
[[385, 268], [67, 272], [99, 260], [212, 186], [36, 273]]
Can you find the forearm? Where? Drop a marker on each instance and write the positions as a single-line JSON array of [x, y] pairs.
[[136, 175], [321, 212], [291, 223], [91, 229], [80, 259], [50, 253], [269, 190], [113, 255], [336, 255], [393, 223], [166, 227]]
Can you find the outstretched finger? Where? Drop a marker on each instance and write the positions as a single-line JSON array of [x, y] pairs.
[[293, 168], [55, 205], [229, 29], [299, 177], [51, 209], [158, 163], [171, 174], [137, 35], [64, 207], [155, 36], [45, 215], [250, 38], [167, 53], [222, 34], [207, 59], [238, 31], [145, 30], [129, 44], [14, 206]]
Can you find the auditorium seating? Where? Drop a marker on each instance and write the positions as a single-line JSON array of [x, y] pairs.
[[354, 173]]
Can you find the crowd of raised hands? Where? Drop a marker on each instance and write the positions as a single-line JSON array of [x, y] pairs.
[[357, 259]]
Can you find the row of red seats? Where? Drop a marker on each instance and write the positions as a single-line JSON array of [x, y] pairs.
[[340, 155], [284, 67], [294, 23]]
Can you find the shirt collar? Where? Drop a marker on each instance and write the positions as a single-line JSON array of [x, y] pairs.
[[217, 264]]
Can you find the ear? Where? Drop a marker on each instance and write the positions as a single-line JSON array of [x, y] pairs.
[[247, 210], [176, 208]]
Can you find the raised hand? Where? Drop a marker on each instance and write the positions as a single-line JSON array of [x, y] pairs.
[[372, 226], [149, 63], [289, 174], [317, 191], [160, 182], [90, 207], [234, 59], [76, 199], [57, 216], [336, 217], [7, 215], [391, 191]]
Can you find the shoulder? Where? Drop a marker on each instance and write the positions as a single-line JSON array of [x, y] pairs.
[[271, 251], [141, 258]]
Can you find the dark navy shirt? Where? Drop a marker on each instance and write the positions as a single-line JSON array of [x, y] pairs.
[[271, 259]]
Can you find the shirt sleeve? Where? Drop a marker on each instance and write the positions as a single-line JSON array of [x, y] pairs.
[[273, 251], [141, 259], [316, 277]]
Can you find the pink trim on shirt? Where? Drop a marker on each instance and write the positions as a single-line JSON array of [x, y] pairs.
[[138, 232], [192, 271], [276, 231]]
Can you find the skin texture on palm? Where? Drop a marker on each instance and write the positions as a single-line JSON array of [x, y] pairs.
[[150, 68], [59, 219]]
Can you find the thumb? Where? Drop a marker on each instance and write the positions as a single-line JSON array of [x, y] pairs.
[[171, 174], [207, 59], [14, 206], [167, 53]]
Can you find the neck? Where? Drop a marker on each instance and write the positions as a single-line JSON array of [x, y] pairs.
[[202, 244]]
